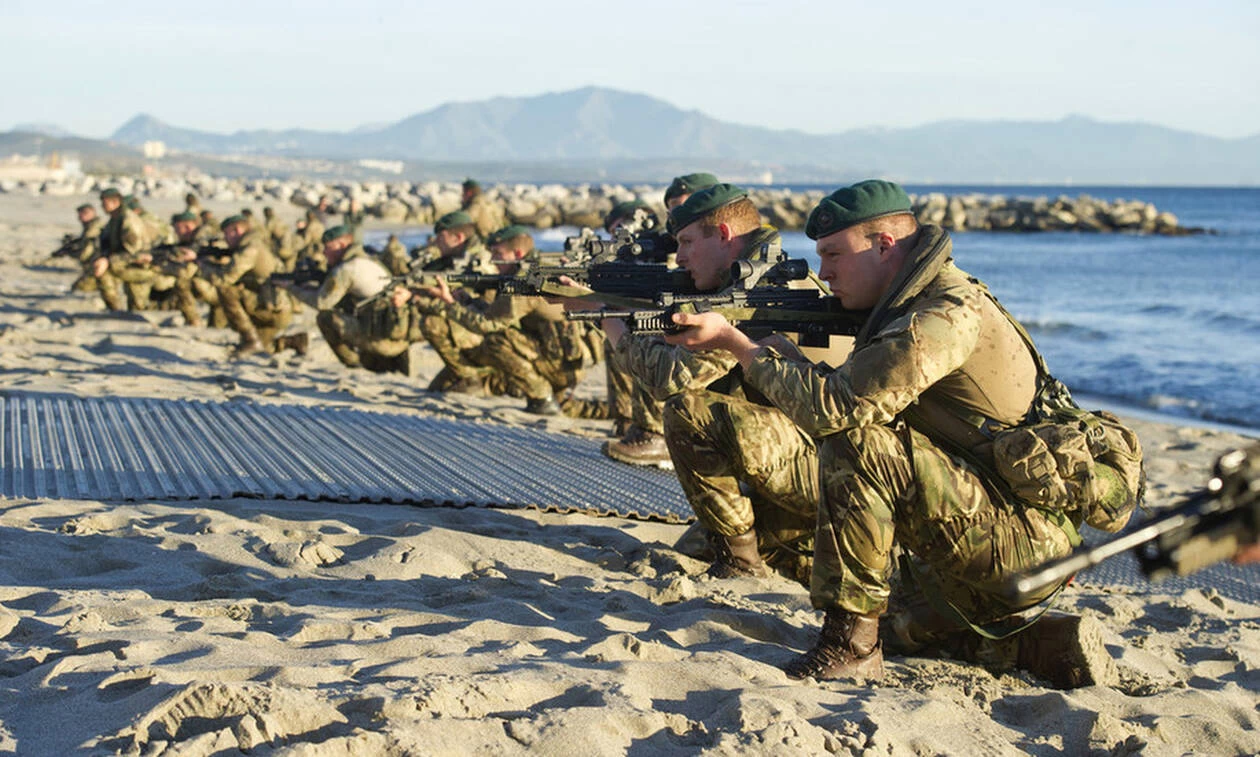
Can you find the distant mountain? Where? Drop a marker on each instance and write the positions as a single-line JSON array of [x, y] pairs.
[[47, 130], [604, 125]]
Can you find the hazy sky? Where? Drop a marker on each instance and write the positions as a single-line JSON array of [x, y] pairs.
[[816, 66]]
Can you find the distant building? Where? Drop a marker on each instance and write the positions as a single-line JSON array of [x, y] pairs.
[[154, 149], [384, 166]]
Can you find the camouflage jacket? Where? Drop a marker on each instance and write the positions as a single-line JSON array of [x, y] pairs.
[[936, 348], [251, 264], [124, 235], [358, 276], [396, 258], [89, 242], [667, 370], [486, 214]]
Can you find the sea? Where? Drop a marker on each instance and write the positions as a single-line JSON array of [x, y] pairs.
[[1166, 327]]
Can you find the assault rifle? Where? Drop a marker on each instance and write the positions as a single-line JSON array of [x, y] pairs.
[[305, 274], [759, 299], [70, 247], [167, 252], [1207, 527]]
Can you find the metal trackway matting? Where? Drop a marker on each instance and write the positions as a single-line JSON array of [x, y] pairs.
[[118, 449], [122, 449]]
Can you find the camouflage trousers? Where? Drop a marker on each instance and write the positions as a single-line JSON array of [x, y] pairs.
[[352, 340], [265, 311], [628, 399], [452, 342], [744, 465], [883, 487]]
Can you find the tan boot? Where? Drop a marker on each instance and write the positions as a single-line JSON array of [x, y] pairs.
[[640, 447], [298, 342], [1067, 651], [847, 648], [737, 556], [249, 344]]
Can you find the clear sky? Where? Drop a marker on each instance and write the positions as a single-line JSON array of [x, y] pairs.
[[223, 65]]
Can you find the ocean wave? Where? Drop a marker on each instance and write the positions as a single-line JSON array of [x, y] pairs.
[[1162, 308], [1065, 329], [1234, 322]]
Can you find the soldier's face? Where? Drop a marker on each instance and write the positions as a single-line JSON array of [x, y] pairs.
[[674, 202], [110, 204], [448, 241], [234, 233], [858, 268], [186, 230], [86, 215], [707, 259]]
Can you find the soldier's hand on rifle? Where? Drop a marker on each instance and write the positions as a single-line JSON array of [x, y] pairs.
[[711, 331], [400, 296], [144, 258], [1248, 554], [186, 255], [578, 290], [100, 266], [442, 291]]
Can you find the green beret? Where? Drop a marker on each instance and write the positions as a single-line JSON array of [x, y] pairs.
[[340, 230], [110, 192], [231, 220], [185, 216], [452, 220], [471, 184], [873, 198], [624, 211], [247, 212], [507, 234], [131, 201], [267, 211], [702, 203], [84, 207], [692, 182]]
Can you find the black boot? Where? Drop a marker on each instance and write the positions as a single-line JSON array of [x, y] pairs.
[[847, 648]]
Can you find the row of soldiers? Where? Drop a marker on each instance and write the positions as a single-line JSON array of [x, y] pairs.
[[823, 474]]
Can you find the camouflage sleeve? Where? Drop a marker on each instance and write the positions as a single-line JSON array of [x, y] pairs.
[[242, 263], [502, 314], [134, 236], [880, 379], [334, 288], [667, 370]]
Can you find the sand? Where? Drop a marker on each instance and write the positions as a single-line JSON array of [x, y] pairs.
[[273, 627]]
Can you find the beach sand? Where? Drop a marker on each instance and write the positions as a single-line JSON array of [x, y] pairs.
[[280, 627]]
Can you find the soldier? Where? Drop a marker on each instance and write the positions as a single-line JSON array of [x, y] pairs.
[[636, 413], [86, 246], [209, 221], [904, 428], [747, 461], [121, 241], [255, 308], [158, 230], [310, 240], [281, 239], [192, 204], [395, 256], [456, 248], [486, 214], [682, 187], [353, 218], [528, 347], [353, 276]]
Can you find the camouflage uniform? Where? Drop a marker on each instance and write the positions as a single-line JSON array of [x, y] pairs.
[[309, 243], [255, 308], [448, 338], [892, 442], [738, 459], [282, 243], [529, 347], [88, 246], [395, 257], [356, 278], [122, 241], [487, 215]]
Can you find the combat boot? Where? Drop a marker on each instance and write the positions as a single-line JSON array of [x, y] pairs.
[[847, 648], [542, 405], [1067, 651], [249, 344], [640, 447], [736, 556], [298, 342]]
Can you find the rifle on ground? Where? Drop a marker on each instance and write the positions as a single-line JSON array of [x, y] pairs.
[[1209, 526]]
